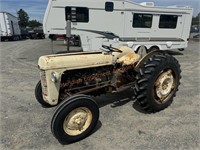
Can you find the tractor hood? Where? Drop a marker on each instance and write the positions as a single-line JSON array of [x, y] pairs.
[[86, 59], [74, 60]]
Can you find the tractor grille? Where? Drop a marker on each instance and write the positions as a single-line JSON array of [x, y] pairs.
[[43, 82]]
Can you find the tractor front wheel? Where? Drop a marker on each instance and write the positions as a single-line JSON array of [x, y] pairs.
[[39, 97], [75, 118]]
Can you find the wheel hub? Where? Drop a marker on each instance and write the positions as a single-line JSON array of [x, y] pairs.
[[164, 85], [77, 121]]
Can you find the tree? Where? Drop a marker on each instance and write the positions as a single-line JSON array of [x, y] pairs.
[[34, 23], [196, 20], [23, 18]]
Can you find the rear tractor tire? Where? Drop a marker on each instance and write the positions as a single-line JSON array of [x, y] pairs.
[[74, 118], [157, 82]]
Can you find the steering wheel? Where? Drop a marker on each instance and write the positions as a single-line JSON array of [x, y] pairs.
[[111, 49]]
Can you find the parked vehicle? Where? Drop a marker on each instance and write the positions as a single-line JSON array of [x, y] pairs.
[[74, 39], [120, 22], [195, 29], [36, 33], [69, 81], [24, 33], [9, 27]]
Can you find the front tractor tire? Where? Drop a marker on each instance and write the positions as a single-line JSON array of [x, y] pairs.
[[39, 97], [75, 118], [157, 82]]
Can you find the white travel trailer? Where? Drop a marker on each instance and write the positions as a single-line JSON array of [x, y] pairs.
[[114, 22], [9, 27]]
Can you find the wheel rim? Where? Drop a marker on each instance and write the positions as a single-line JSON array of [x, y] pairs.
[[77, 121], [164, 85]]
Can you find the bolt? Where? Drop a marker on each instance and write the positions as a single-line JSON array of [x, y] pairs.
[[78, 122]]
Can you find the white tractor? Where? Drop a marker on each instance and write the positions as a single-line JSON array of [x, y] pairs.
[[70, 80]]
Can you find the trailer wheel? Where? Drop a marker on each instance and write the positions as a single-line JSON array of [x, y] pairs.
[[157, 82], [153, 48], [181, 49], [39, 97], [74, 119]]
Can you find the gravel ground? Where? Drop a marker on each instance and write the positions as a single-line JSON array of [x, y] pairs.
[[122, 126]]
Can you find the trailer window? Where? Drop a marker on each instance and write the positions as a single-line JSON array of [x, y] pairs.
[[109, 6], [77, 14], [142, 20], [168, 21]]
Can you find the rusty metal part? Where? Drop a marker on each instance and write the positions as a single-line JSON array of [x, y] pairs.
[[125, 87], [129, 58], [77, 121], [164, 84], [43, 82], [88, 86], [62, 63]]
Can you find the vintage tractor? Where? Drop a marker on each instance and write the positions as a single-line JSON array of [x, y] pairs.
[[70, 80]]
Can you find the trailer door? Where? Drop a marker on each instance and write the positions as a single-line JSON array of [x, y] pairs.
[[13, 30]]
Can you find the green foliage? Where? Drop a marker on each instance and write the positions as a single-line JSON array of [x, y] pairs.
[[196, 20], [34, 23], [23, 18]]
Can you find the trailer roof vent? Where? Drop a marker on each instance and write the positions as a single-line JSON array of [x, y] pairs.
[[151, 4]]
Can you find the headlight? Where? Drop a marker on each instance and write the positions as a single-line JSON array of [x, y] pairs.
[[54, 77]]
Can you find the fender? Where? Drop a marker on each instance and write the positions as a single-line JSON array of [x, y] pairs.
[[147, 56]]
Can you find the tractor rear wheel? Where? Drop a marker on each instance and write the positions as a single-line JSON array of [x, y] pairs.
[[157, 82]]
